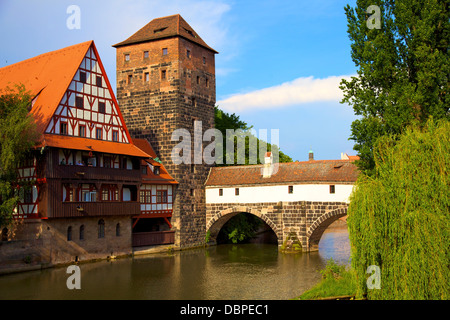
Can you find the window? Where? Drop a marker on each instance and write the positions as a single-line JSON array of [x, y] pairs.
[[101, 228], [118, 230], [83, 77], [106, 162], [163, 74], [188, 54], [204, 60], [192, 192], [79, 102], [130, 79], [145, 196], [164, 51], [198, 79], [127, 57], [156, 170], [88, 193], [82, 232], [145, 54], [207, 82], [98, 81], [101, 107], [110, 193], [220, 192], [115, 135], [69, 193], [82, 131], [236, 191], [332, 188], [291, 189], [146, 77], [69, 233], [63, 128], [161, 196], [194, 102], [98, 133], [27, 196]]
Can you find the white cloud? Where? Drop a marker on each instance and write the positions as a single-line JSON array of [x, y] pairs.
[[299, 91]]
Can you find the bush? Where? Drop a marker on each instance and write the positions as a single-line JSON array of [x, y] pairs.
[[398, 219]]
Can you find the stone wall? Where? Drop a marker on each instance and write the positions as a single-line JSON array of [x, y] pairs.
[[45, 242], [180, 90], [306, 219]]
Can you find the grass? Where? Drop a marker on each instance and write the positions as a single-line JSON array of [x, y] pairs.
[[337, 282]]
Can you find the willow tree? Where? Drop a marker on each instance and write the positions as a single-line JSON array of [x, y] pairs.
[[398, 217], [17, 137], [400, 49]]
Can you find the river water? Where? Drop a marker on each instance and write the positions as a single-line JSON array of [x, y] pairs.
[[223, 272]]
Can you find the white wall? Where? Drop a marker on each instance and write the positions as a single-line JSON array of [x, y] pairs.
[[301, 192]]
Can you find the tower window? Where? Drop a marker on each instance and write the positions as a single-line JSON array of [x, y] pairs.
[[164, 51], [188, 53], [127, 57], [198, 79], [207, 82], [163, 74], [204, 60], [146, 77], [130, 79], [145, 54]]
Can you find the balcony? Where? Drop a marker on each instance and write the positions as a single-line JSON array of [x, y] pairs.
[[95, 209], [94, 173]]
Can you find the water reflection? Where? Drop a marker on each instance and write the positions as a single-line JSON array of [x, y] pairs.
[[250, 271]]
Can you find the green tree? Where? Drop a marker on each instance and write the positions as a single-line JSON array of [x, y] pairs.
[[398, 217], [224, 121], [17, 137], [403, 69]]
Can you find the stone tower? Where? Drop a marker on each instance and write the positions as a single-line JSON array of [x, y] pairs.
[[166, 81]]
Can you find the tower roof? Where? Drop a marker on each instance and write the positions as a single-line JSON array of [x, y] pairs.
[[165, 27]]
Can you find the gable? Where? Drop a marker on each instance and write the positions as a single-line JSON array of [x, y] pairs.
[[88, 108]]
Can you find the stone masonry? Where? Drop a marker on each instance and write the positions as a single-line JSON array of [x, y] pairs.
[[166, 84], [308, 220]]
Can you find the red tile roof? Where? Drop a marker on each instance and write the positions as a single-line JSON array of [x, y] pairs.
[[315, 171], [164, 177], [165, 27], [48, 77], [94, 145]]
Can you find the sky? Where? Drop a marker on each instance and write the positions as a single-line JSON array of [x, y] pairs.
[[279, 64]]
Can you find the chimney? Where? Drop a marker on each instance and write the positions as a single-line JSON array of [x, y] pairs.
[[267, 169], [311, 155]]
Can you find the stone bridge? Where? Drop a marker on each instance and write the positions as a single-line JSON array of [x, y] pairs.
[[306, 220]]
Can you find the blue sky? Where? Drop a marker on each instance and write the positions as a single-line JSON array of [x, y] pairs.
[[278, 67]]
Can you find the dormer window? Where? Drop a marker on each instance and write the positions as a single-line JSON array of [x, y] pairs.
[[190, 32], [156, 170], [159, 30]]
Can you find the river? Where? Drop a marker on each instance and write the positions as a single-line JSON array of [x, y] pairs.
[[223, 272]]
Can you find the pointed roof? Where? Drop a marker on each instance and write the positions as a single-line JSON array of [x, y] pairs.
[[47, 77], [165, 27]]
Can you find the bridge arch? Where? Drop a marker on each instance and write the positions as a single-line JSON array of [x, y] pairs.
[[216, 223], [316, 229]]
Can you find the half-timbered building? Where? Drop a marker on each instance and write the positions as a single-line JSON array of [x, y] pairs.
[[94, 191]]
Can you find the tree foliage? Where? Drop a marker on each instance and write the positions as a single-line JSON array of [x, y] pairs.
[[239, 228], [17, 136], [224, 121], [403, 69], [398, 218]]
